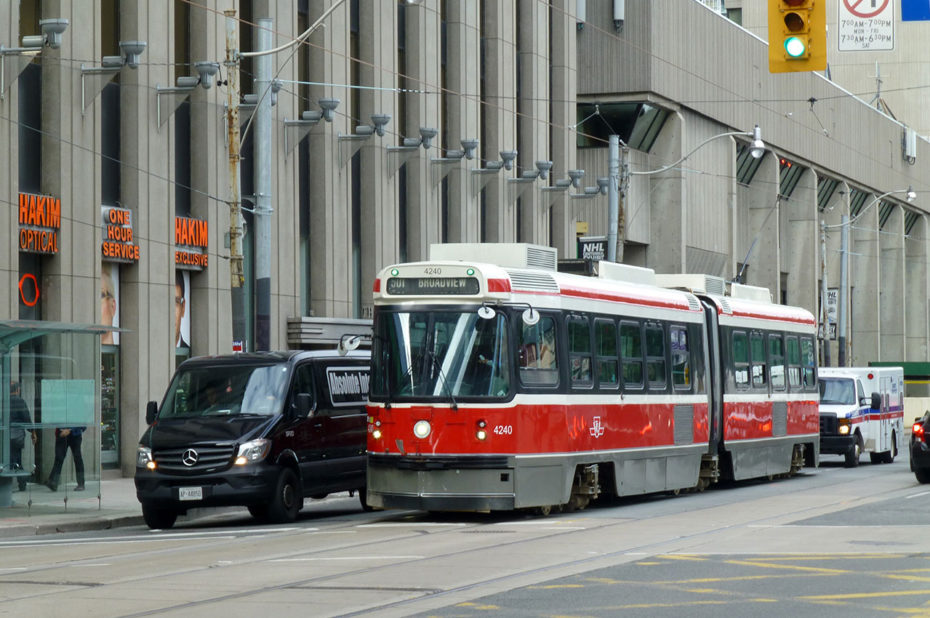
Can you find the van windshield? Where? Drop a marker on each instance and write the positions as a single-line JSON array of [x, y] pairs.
[[837, 391], [224, 390]]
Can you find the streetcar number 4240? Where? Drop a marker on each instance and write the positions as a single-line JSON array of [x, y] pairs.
[[503, 430]]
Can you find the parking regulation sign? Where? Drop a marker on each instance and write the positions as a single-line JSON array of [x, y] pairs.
[[866, 25]]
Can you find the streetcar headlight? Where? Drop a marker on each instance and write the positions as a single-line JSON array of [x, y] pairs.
[[481, 434], [144, 458], [844, 427], [252, 451], [421, 429], [376, 434]]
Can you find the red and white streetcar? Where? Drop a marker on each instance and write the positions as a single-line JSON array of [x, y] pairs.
[[499, 383]]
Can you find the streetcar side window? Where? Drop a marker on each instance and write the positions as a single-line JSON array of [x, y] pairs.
[[655, 357], [777, 361], [808, 363], [794, 362], [740, 355], [538, 360], [681, 358], [757, 356], [631, 349], [605, 335], [579, 350]]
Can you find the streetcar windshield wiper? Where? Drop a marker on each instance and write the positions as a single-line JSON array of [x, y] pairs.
[[442, 376]]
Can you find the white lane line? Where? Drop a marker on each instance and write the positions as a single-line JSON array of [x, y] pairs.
[[410, 525], [923, 493], [320, 559], [155, 536]]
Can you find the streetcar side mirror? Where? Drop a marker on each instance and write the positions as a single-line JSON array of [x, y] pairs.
[[151, 411]]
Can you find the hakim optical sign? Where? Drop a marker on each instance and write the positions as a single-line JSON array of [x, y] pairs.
[[797, 35]]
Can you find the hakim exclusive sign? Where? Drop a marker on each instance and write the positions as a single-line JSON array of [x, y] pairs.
[[117, 245], [191, 238], [39, 222]]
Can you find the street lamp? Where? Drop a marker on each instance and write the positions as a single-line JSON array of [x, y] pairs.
[[620, 176], [845, 223]]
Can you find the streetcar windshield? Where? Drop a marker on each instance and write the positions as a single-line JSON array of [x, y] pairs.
[[837, 391], [444, 354], [225, 390]]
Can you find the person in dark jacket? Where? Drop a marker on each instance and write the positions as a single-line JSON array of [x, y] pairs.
[[65, 438], [19, 416]]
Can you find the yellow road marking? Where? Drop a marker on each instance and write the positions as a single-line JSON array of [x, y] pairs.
[[770, 565], [863, 595]]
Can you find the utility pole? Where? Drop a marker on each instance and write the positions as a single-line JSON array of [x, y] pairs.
[[613, 199], [841, 326], [824, 315], [236, 272], [263, 187]]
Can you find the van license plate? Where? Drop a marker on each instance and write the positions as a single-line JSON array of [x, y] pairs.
[[190, 493]]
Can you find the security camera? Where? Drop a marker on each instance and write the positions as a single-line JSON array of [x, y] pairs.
[[132, 50], [112, 62], [426, 136], [33, 41], [508, 156], [544, 167], [576, 176], [379, 121], [207, 70], [311, 116], [603, 184], [329, 108], [53, 29], [469, 146], [364, 129], [188, 81]]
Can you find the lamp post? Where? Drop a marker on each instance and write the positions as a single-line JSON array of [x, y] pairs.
[[845, 223], [616, 233]]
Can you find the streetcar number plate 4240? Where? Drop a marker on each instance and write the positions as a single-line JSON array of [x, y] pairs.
[[190, 493]]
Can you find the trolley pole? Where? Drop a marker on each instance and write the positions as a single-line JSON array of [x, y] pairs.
[[236, 271]]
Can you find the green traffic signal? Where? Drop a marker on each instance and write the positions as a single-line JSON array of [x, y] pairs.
[[795, 47]]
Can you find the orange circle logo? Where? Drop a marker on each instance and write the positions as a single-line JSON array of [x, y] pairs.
[[35, 290]]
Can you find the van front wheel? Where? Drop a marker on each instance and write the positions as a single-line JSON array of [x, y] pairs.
[[158, 519], [286, 500]]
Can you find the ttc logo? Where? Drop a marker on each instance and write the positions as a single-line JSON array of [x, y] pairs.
[[597, 430]]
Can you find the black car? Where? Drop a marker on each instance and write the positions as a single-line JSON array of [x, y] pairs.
[[261, 430], [920, 448]]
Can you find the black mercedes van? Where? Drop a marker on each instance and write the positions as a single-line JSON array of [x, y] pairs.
[[261, 430]]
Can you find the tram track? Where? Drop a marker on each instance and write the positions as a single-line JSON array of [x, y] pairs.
[[410, 529]]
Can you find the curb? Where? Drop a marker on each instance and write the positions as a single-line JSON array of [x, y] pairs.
[[78, 525]]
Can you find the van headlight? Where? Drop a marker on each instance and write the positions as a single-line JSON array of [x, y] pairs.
[[843, 427], [144, 458], [252, 451]]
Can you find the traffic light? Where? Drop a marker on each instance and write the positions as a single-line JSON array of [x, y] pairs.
[[797, 35]]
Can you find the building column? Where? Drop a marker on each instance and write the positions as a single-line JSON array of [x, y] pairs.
[[757, 232], [533, 36], [563, 115], [832, 215], [917, 283], [864, 270], [892, 281], [146, 288], [331, 278], [800, 245], [498, 102], [424, 72], [379, 207], [463, 76]]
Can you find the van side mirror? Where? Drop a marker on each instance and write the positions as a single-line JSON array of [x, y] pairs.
[[304, 404], [151, 411], [876, 401]]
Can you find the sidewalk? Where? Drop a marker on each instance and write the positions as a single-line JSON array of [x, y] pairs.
[[116, 507]]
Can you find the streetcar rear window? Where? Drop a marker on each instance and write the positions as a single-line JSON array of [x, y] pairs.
[[740, 354]]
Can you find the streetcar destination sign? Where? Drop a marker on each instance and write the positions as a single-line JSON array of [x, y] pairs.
[[430, 286]]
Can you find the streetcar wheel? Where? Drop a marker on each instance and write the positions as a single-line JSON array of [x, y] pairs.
[[543, 511], [158, 519], [853, 454], [286, 500]]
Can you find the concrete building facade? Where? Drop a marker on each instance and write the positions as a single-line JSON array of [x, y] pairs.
[[531, 81]]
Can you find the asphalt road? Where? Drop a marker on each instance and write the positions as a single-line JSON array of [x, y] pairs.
[[829, 542]]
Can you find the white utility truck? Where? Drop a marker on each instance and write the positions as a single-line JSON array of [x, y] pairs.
[[861, 410]]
